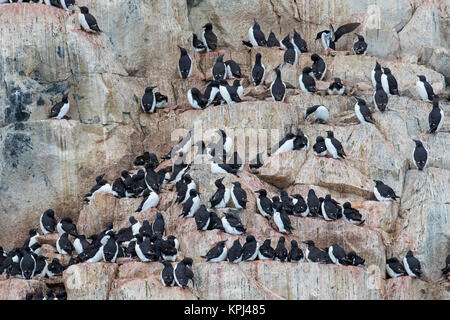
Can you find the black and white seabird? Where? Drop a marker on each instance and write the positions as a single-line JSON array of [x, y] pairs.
[[376, 73], [184, 64], [300, 206], [256, 36], [118, 188], [135, 225], [281, 252], [380, 98], [436, 117], [215, 223], [337, 255], [336, 87], [202, 218], [41, 267], [286, 144], [60, 109], [87, 21], [295, 254], [360, 46], [319, 67], [110, 249], [48, 222], [217, 253], [351, 215], [148, 102], [196, 99], [290, 55], [394, 268], [354, 259], [166, 275], [161, 100], [179, 166], [389, 82], [301, 141], [307, 83], [80, 243], [278, 87], [319, 148], [334, 147], [234, 254], [272, 40], [159, 226], [187, 184], [314, 254], [362, 111], [281, 219], [197, 44], [265, 251], [264, 204], [233, 69], [239, 196], [321, 113], [182, 273], [145, 250], [330, 37], [211, 91], [67, 226], [101, 186], [412, 265], [169, 249], [238, 87], [330, 208], [151, 200], [191, 205], [228, 93], [313, 203], [299, 44], [55, 268], [232, 224], [63, 245], [225, 142], [219, 71], [222, 195], [258, 71], [209, 38], [250, 249], [27, 264], [420, 155], [383, 192], [424, 89]]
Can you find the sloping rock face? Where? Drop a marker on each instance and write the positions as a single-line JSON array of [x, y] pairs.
[[46, 163]]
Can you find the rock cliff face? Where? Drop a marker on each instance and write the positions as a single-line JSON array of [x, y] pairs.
[[52, 163]]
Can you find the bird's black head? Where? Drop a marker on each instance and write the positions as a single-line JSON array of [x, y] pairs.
[[49, 212], [187, 261], [32, 232], [360, 37], [422, 78], [149, 89], [258, 57], [132, 220], [387, 71], [347, 205], [256, 25], [193, 193], [84, 10], [315, 57], [182, 50], [159, 215], [262, 192], [236, 83], [220, 58], [290, 135], [378, 182], [208, 26], [282, 239], [218, 183], [377, 66], [330, 134], [294, 243], [306, 70], [328, 197], [310, 243], [222, 243], [65, 98], [236, 184], [250, 238], [320, 139], [409, 254], [418, 143], [360, 101]]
